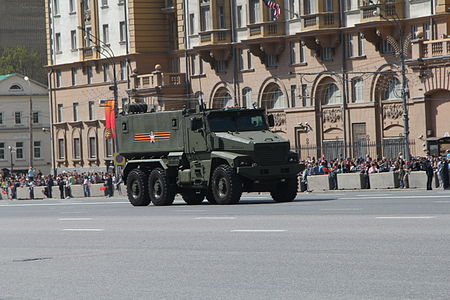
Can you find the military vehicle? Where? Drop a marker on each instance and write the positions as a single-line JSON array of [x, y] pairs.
[[198, 153]]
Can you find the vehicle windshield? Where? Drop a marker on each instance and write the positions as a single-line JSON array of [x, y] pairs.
[[237, 121]]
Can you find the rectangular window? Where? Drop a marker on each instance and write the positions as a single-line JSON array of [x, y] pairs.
[[75, 111], [1, 118], [200, 65], [239, 16], [57, 42], [2, 151], [329, 5], [73, 40], [71, 6], [221, 66], [249, 60], [89, 74], [302, 53], [74, 76], [88, 36], [293, 52], [109, 147], [105, 73], [91, 110], [414, 32], [106, 33], [426, 31], [241, 59], [76, 148], [93, 147], [123, 33], [361, 40], [271, 60], [386, 47], [104, 3], [58, 78], [291, 9], [60, 113], [255, 11], [37, 149], [357, 90], [307, 7], [35, 117], [205, 18], [85, 4], [191, 23], [19, 150], [293, 95], [18, 117], [221, 12], [304, 95], [61, 149], [327, 54], [123, 70], [55, 7], [350, 45], [193, 62]]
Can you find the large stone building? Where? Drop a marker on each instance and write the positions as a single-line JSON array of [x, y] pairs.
[[24, 106], [330, 71]]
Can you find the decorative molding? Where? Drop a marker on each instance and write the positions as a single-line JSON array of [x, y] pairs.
[[332, 115], [280, 121], [392, 111]]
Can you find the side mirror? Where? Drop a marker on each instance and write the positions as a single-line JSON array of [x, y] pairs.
[[196, 124], [270, 120]]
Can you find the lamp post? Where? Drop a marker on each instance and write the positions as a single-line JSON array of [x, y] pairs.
[[30, 121], [404, 43], [11, 150]]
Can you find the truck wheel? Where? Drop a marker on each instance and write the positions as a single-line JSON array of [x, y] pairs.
[[226, 185], [159, 189], [285, 191], [210, 197], [137, 188], [193, 197]]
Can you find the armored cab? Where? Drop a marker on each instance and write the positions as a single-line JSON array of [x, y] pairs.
[[217, 154]]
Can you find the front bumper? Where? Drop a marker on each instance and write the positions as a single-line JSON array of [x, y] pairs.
[[269, 172]]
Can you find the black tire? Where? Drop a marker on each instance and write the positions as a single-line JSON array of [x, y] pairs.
[[159, 189], [285, 191], [226, 185], [137, 190], [193, 197], [210, 196]]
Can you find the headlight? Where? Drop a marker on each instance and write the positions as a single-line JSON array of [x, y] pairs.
[[293, 159], [243, 161]]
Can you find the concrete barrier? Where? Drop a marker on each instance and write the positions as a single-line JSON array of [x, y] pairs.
[[418, 180], [318, 183], [387, 180], [351, 181]]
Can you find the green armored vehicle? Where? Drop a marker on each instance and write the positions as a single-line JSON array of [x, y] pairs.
[[217, 154]]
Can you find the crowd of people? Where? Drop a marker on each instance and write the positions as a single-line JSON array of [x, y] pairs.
[[433, 166], [62, 183]]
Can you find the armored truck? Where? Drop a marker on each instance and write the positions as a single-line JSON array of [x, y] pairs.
[[198, 153]]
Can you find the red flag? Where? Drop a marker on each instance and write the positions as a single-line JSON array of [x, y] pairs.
[[110, 118], [275, 6]]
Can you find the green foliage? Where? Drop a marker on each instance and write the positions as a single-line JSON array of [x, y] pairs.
[[23, 61]]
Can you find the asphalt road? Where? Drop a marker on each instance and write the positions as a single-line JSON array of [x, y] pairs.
[[354, 245]]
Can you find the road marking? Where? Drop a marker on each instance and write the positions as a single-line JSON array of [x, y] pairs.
[[258, 230], [394, 196], [190, 210], [418, 217], [83, 229], [441, 201], [61, 204], [340, 209], [74, 219], [373, 195], [215, 218]]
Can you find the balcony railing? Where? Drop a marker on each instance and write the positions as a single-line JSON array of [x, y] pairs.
[[389, 10], [160, 79], [436, 48], [322, 20], [215, 36]]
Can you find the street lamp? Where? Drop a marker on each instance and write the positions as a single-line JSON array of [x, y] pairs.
[[30, 121], [404, 43], [11, 150]]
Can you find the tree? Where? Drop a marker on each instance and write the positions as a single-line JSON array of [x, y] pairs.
[[23, 61]]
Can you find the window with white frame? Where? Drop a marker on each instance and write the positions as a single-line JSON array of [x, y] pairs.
[[91, 109], [2, 151], [37, 149], [89, 74], [74, 76], [75, 111], [221, 66], [85, 4], [247, 97], [249, 60], [332, 95], [278, 99], [255, 11], [123, 33], [19, 150], [361, 48], [123, 70], [92, 147], [88, 36], [291, 9], [60, 112], [109, 147], [357, 90], [239, 14], [304, 95], [61, 149], [293, 95], [18, 117], [193, 64], [35, 117], [73, 40], [293, 52], [241, 59], [191, 24], [58, 42], [106, 73], [106, 33], [55, 7], [58, 78], [271, 61], [328, 5], [302, 53], [104, 3], [205, 17], [307, 7], [221, 13], [327, 54], [76, 148], [71, 6], [426, 31], [414, 31], [350, 52], [393, 89]]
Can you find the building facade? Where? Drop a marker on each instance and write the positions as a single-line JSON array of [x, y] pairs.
[[24, 105]]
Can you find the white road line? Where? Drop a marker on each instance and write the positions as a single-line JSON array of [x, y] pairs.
[[417, 217], [215, 218], [258, 230], [61, 204], [190, 210], [393, 196], [441, 201], [83, 229], [374, 195], [341, 209], [74, 219]]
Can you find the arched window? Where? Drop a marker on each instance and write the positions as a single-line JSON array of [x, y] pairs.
[[332, 95], [273, 97], [247, 97], [15, 88], [393, 89], [222, 99]]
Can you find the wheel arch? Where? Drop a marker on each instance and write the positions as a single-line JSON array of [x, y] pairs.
[[145, 164]]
